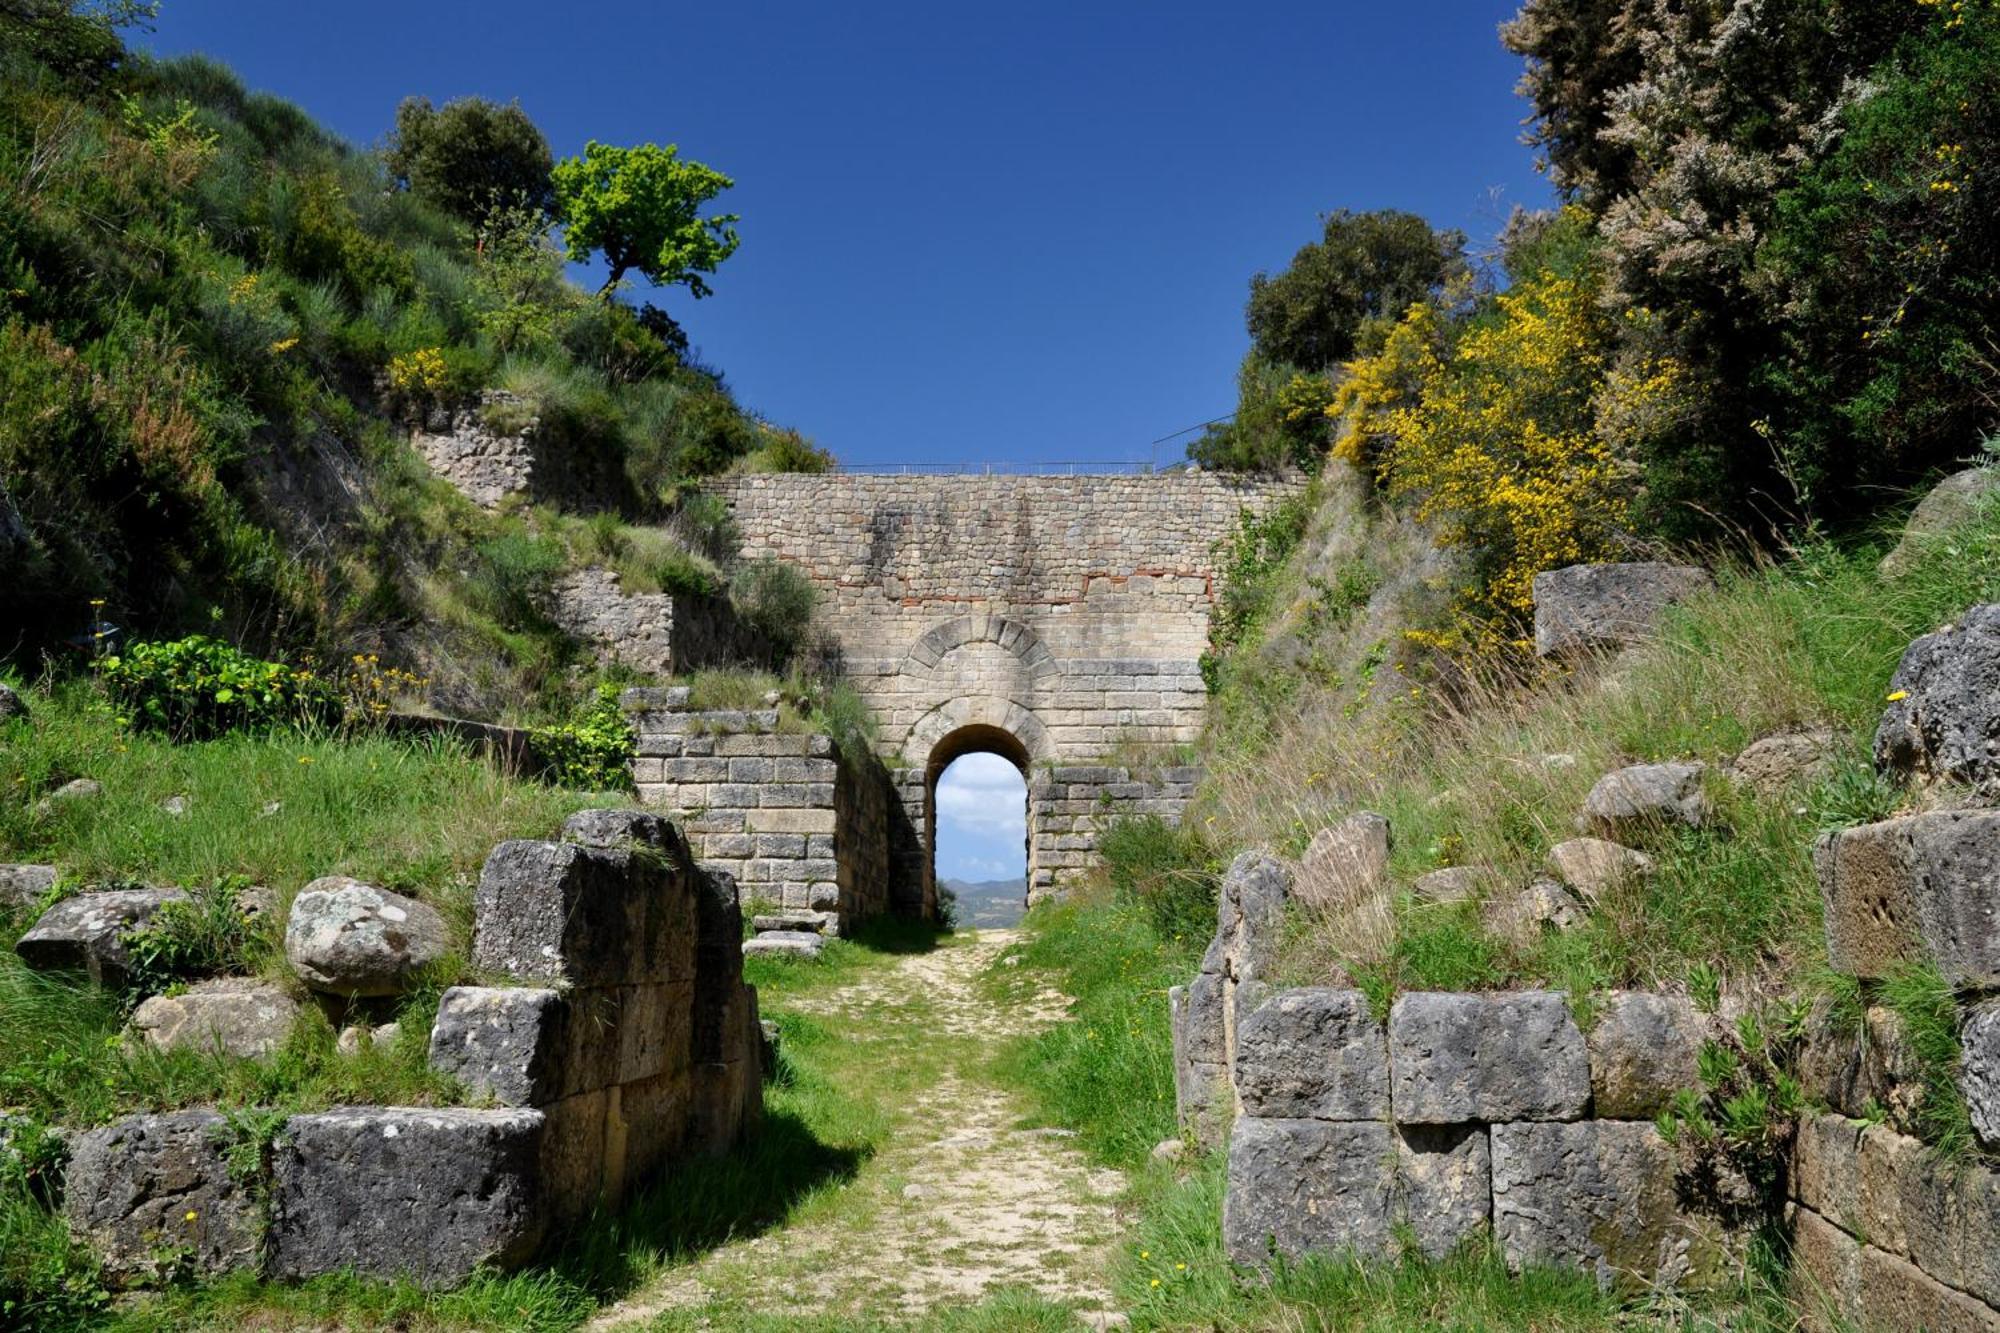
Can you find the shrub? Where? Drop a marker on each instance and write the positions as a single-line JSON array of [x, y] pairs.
[[207, 935], [1167, 869], [789, 451], [470, 156], [513, 577], [686, 574], [775, 599], [199, 687], [592, 751], [1250, 561]]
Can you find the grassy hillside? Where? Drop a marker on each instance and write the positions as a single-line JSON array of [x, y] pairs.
[[218, 324]]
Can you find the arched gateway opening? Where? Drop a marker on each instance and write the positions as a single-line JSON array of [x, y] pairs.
[[975, 828]]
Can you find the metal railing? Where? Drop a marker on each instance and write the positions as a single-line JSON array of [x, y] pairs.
[[1005, 469]]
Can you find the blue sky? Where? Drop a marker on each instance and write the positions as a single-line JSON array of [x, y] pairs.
[[989, 233], [971, 234]]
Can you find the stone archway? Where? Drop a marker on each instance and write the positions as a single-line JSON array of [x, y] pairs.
[[974, 738]]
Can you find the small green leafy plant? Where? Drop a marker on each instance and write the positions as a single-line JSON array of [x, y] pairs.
[[593, 751], [198, 687]]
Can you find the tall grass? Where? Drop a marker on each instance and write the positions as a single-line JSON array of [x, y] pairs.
[[1107, 1070], [1492, 772]]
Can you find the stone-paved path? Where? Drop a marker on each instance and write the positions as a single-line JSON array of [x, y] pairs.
[[958, 1201]]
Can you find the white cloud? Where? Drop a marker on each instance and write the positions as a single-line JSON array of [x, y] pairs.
[[984, 796]]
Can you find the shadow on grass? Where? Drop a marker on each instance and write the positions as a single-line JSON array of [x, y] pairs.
[[898, 935], [702, 1204]]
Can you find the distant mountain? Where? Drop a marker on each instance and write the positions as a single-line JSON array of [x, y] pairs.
[[990, 903]]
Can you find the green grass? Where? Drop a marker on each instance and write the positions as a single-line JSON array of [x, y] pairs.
[[280, 809], [1107, 1071]]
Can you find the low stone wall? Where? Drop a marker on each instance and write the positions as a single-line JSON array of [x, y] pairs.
[[801, 828], [626, 1039], [490, 465], [655, 632], [1460, 1115]]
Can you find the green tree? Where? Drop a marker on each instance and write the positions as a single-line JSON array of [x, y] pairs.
[[641, 206], [1366, 267], [470, 156], [74, 38]]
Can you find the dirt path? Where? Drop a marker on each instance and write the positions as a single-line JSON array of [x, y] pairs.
[[958, 1202]]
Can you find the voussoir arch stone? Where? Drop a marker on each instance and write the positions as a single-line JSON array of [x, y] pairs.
[[980, 710], [931, 649]]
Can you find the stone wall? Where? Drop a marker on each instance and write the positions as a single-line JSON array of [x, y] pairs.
[[655, 632], [1460, 1115], [801, 828], [1049, 619], [492, 463], [1072, 611], [626, 1038]]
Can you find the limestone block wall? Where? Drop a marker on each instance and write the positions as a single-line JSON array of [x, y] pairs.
[[655, 632], [1072, 610], [1456, 1115], [1069, 804], [624, 1039], [799, 827]]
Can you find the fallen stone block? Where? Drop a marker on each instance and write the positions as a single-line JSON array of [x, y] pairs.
[[236, 1016], [344, 937], [612, 829], [1598, 1195], [1309, 1187], [1313, 1054], [1591, 866], [1632, 804], [405, 1192], [152, 1193], [1345, 863], [1541, 907], [1582, 608], [786, 944], [1643, 1049], [86, 933], [505, 1042], [1775, 764], [1453, 884], [1505, 1055], [24, 886], [809, 922]]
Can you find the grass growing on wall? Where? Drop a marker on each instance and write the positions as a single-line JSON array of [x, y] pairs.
[[1494, 774]]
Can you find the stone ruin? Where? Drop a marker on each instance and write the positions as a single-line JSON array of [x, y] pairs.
[[1454, 1115], [619, 1037]]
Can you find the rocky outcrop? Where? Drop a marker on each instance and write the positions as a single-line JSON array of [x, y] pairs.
[[1585, 608], [1941, 724], [348, 938], [485, 465]]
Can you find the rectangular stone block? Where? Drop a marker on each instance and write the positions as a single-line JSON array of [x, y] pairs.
[[1301, 1187], [1599, 1195], [1826, 1273], [694, 770], [507, 1043], [405, 1192], [1826, 1168], [582, 916], [147, 1189], [572, 1164], [782, 845], [803, 770], [1893, 1293], [1444, 1184], [1309, 1054], [1643, 1049], [1923, 887], [1507, 1055]]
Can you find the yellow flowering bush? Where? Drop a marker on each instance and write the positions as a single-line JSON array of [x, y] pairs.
[[1494, 441], [422, 372]]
